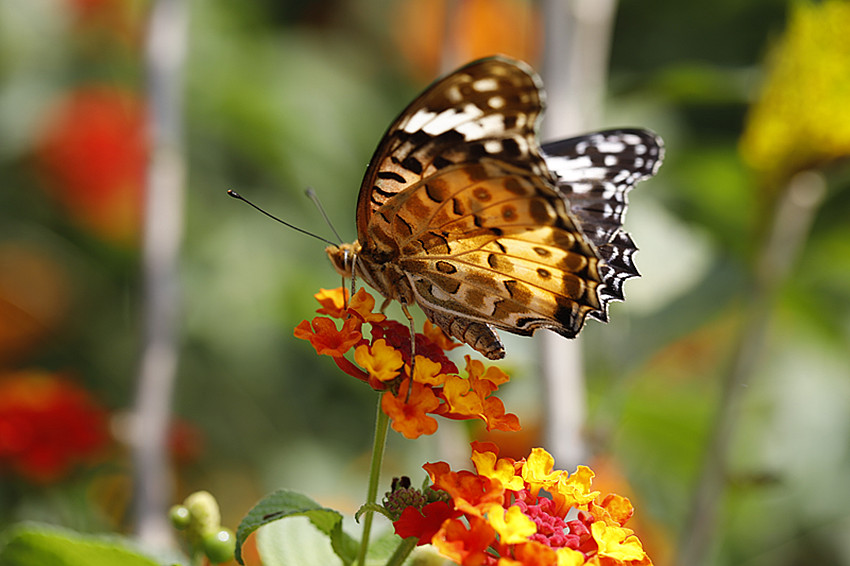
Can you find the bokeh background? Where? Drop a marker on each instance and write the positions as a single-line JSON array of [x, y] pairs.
[[736, 341]]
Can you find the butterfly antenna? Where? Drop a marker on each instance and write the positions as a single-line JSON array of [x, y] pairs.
[[237, 196], [315, 198]]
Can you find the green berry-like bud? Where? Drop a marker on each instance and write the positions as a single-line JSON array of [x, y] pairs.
[[219, 545], [180, 517], [204, 510]]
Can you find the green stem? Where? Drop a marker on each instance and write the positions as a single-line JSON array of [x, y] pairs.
[[382, 425], [402, 551]]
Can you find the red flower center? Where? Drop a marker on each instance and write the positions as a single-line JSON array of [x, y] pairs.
[[552, 530]]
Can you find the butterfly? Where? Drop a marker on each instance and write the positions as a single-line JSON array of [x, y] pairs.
[[463, 213]]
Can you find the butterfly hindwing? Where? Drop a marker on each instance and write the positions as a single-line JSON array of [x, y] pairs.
[[595, 173], [491, 242]]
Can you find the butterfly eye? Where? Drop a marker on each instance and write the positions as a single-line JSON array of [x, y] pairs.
[[339, 260], [343, 257]]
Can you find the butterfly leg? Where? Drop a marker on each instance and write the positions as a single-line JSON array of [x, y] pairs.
[[353, 275]]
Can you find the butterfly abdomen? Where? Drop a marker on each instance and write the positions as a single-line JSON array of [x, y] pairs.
[[479, 335]]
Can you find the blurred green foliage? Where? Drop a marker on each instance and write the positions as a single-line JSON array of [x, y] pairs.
[[285, 95]]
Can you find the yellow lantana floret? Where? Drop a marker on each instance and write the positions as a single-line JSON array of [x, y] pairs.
[[382, 361]]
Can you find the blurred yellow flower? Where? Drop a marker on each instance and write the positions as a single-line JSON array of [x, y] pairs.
[[802, 118]]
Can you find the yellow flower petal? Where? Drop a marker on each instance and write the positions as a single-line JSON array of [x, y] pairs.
[[511, 524], [569, 557], [537, 471], [502, 469], [616, 542], [575, 488], [427, 372], [380, 360]]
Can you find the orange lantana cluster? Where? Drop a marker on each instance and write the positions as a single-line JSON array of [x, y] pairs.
[[384, 361], [500, 516]]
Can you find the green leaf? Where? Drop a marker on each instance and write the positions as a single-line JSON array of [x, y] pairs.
[[295, 542], [375, 508], [36, 545], [284, 503]]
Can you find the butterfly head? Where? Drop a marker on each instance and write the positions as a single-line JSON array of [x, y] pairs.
[[342, 257]]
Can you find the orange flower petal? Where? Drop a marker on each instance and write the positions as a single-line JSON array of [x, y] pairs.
[[363, 304], [496, 418], [477, 370], [465, 546], [617, 509], [332, 301], [533, 553], [470, 492], [428, 372], [461, 399], [322, 333], [409, 415]]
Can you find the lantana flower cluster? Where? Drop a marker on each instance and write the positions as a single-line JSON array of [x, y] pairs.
[[511, 513], [384, 362], [48, 425]]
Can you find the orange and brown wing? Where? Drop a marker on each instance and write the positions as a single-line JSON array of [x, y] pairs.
[[488, 108], [491, 244], [462, 211]]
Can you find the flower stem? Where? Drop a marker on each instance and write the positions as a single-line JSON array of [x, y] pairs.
[[382, 423], [402, 552], [792, 222]]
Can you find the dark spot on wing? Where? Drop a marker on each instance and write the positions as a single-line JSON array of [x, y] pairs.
[[392, 175], [446, 267], [412, 164]]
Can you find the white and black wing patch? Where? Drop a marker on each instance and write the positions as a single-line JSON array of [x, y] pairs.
[[595, 173]]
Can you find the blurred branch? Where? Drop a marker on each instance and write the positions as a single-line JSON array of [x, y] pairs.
[[166, 49], [578, 37], [791, 223], [575, 63]]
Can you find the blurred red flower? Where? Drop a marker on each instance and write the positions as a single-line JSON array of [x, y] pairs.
[[93, 154], [48, 424]]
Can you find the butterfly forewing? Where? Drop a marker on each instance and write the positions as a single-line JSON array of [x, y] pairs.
[[487, 108], [462, 212]]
